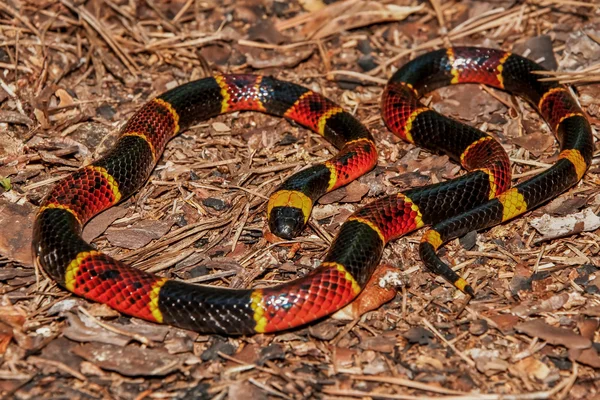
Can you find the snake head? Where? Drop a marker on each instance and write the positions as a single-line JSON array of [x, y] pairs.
[[286, 222]]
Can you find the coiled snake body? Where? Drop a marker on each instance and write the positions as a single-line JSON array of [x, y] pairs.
[[476, 200]]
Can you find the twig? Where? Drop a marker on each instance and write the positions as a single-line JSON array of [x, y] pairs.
[[495, 23], [136, 336], [173, 27], [443, 339], [17, 68], [530, 162], [440, 17], [20, 17], [529, 173], [562, 387], [97, 26], [407, 383], [283, 47], [43, 183], [12, 94], [175, 42], [211, 277], [59, 365], [268, 389], [354, 74], [344, 331], [569, 3], [241, 223]]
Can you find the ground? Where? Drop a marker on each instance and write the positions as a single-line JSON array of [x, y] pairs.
[[71, 74]]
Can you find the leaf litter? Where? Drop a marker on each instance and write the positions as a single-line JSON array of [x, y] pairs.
[[73, 72]]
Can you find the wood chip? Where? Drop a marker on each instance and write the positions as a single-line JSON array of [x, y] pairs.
[[554, 227]]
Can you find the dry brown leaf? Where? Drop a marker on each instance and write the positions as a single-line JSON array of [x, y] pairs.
[[64, 97], [565, 205], [333, 197], [588, 327], [538, 48], [355, 192], [138, 235], [100, 223], [554, 335], [466, 102], [587, 356], [505, 322], [536, 142]]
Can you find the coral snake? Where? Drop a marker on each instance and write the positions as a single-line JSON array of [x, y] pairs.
[[476, 200]]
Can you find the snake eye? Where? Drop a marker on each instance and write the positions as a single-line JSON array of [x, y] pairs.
[[286, 222]]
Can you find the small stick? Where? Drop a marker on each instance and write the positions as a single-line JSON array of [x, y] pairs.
[[242, 223], [407, 383], [43, 183], [211, 277], [13, 95], [133, 335], [268, 389], [354, 74], [529, 173], [530, 162], [438, 334], [59, 365]]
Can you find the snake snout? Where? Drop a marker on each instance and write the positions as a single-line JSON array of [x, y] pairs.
[[286, 222]]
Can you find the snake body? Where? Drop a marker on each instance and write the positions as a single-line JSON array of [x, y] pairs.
[[477, 199]]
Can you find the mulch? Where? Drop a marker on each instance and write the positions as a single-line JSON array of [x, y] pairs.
[[73, 71]]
